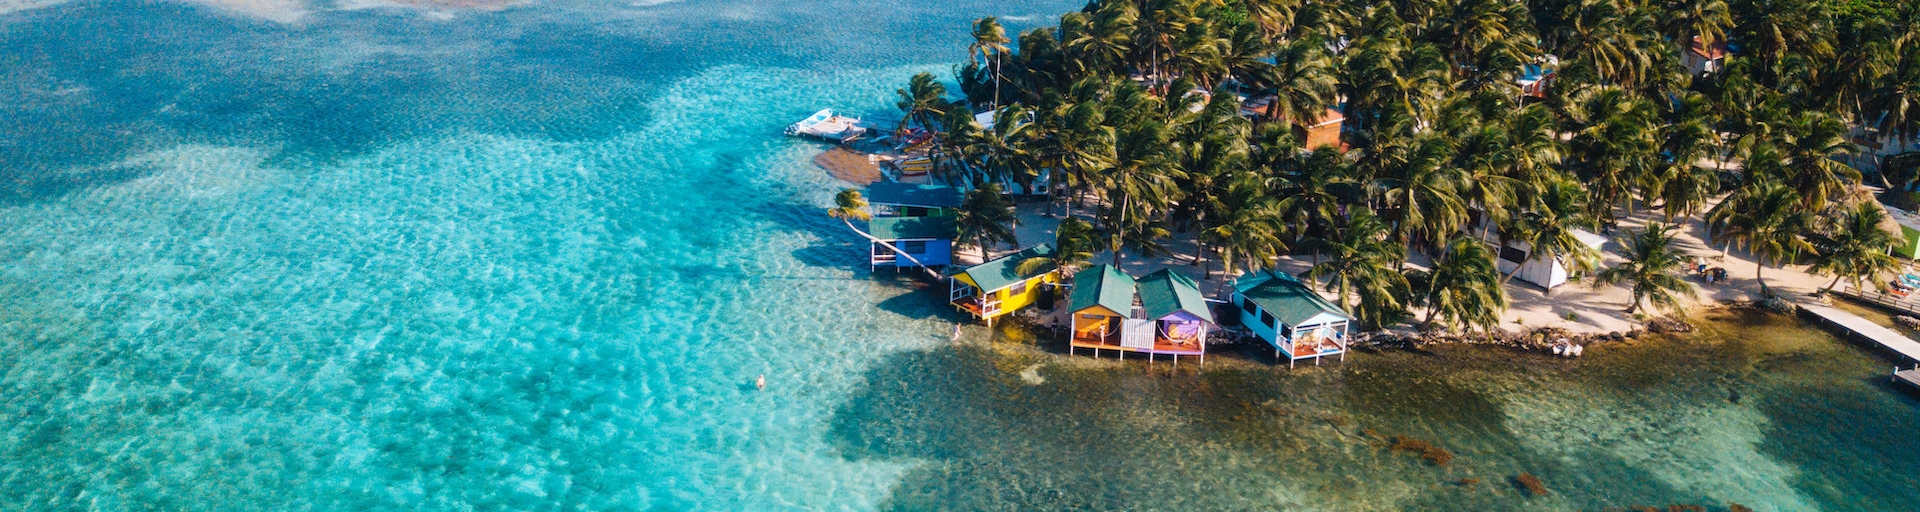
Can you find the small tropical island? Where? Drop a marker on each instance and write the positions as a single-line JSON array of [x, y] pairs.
[[1149, 179], [1543, 173]]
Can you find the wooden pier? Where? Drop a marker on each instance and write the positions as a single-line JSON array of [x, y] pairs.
[[1865, 329], [1898, 304], [1910, 376], [1880, 335]]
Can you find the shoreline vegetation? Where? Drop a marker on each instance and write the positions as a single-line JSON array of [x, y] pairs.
[[1703, 140]]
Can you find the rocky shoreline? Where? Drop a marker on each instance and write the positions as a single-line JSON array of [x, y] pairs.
[[1548, 339]]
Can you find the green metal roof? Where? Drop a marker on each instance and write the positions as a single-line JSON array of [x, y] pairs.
[[1103, 286], [912, 228], [1284, 297], [1001, 272], [913, 194], [1163, 293]]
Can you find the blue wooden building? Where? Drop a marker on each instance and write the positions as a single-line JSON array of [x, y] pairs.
[[1296, 321], [926, 239]]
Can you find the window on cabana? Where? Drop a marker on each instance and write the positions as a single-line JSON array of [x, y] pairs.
[[1018, 288]]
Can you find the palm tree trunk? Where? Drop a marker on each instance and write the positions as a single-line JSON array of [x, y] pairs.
[[1836, 282], [996, 80], [889, 246]]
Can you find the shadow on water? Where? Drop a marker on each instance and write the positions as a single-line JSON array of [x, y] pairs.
[[25, 188], [1873, 419], [1007, 426]]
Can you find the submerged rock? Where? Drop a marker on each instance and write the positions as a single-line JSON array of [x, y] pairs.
[[1668, 325]]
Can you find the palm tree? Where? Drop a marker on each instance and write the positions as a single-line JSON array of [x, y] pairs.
[[849, 205], [1101, 41], [1548, 227], [1273, 17], [1245, 227], [1612, 145], [1301, 79], [986, 218], [923, 101], [1535, 150], [1463, 290], [1682, 185], [1765, 217], [1423, 194], [1073, 248], [1603, 36], [1312, 195], [1486, 40], [1773, 30], [1157, 31], [1081, 143], [1896, 102], [1359, 258], [1138, 187], [1855, 247], [1001, 152], [1812, 144], [1685, 20], [990, 42], [1653, 266]]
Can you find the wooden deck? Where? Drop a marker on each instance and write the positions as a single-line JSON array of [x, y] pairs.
[[1908, 304], [1160, 347], [1910, 376], [1865, 329]]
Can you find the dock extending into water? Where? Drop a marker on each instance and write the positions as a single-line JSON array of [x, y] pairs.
[[1910, 376], [1880, 335], [1866, 329]]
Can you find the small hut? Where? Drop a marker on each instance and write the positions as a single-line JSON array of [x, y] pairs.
[[1101, 303], [893, 199], [1169, 317], [1179, 312], [1702, 58], [927, 239], [998, 287], [1297, 322], [1321, 132], [1536, 77]]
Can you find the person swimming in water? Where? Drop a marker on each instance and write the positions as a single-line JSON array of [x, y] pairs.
[[760, 382]]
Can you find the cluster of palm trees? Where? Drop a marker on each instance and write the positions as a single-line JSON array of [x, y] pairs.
[[1152, 117]]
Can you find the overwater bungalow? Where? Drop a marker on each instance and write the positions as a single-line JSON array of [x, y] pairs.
[[1296, 321], [892, 199], [926, 239], [1102, 304], [998, 287], [1169, 317]]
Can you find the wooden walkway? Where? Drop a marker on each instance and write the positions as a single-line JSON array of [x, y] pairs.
[[1909, 376], [1866, 329], [1883, 299]]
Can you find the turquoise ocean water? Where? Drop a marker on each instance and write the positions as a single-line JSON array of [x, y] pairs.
[[276, 255]]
